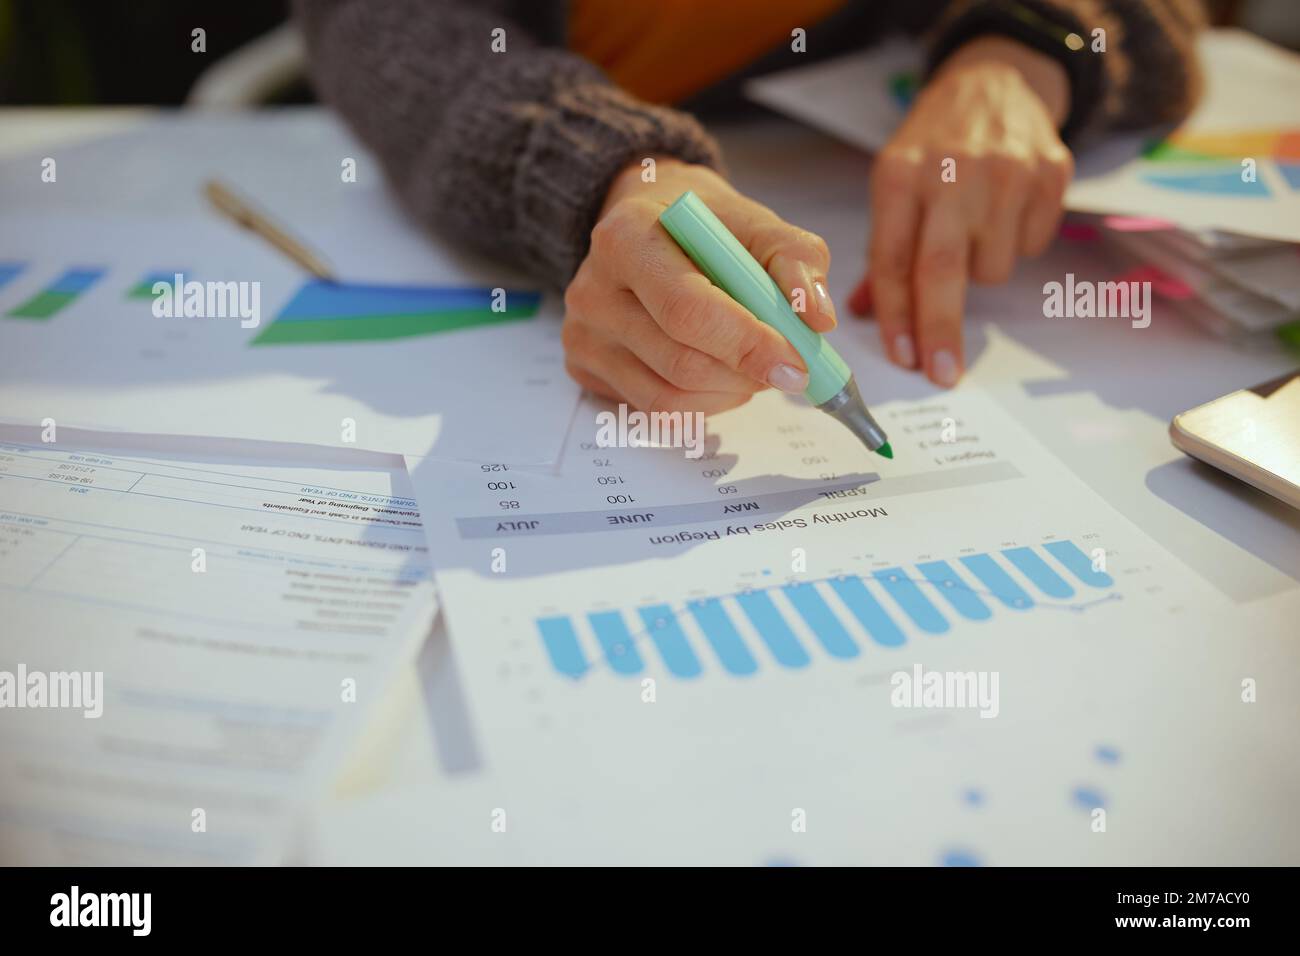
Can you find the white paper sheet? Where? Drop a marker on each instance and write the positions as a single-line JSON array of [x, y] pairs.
[[246, 616], [1250, 86], [715, 651], [107, 362]]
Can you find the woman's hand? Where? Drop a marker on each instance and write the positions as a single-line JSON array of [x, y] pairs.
[[989, 118], [643, 325]]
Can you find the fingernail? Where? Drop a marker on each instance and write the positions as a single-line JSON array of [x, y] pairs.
[[904, 352], [787, 378], [823, 299], [817, 290], [861, 300], [943, 368]]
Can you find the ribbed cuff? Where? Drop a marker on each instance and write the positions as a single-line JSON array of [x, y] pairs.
[[1043, 27], [587, 134]]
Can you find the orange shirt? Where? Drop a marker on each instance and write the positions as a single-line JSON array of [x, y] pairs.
[[664, 51]]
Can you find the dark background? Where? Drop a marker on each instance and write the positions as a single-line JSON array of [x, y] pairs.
[[118, 52], [122, 52]]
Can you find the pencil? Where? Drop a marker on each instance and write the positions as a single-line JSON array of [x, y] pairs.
[[243, 213]]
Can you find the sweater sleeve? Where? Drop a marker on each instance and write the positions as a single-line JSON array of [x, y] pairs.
[[509, 152], [1131, 63]]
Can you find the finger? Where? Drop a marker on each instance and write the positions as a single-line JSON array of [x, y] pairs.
[[593, 383], [940, 291], [895, 221], [1041, 218], [797, 259], [694, 312], [647, 391], [994, 256], [627, 322]]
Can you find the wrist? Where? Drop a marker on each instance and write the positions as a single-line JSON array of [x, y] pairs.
[[632, 177], [1043, 74]]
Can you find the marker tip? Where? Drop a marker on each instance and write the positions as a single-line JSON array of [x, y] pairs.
[[885, 451]]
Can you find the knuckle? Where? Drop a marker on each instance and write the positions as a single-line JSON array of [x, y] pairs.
[[749, 355], [941, 261], [685, 313], [1008, 166], [578, 374], [895, 171], [689, 369], [895, 259], [610, 235], [604, 232], [1056, 173], [573, 336], [575, 296], [815, 246], [668, 399], [889, 258]]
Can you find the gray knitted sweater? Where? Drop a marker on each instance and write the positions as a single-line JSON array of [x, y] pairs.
[[512, 152]]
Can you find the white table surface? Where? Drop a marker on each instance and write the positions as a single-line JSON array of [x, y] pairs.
[[1238, 539]]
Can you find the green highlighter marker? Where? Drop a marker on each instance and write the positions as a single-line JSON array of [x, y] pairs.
[[732, 269]]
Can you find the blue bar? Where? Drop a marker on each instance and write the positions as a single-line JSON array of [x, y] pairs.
[[562, 644], [1036, 569], [8, 270], [911, 600], [821, 619], [1078, 564], [868, 611], [322, 300], [955, 591], [1003, 585], [771, 627], [726, 641], [168, 277], [667, 634], [616, 641], [75, 280]]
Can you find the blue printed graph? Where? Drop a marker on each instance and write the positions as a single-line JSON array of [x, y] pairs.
[[1210, 162], [65, 290], [1224, 182], [339, 311], [735, 633], [10, 271]]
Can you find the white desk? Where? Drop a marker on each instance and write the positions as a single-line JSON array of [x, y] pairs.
[[1098, 395]]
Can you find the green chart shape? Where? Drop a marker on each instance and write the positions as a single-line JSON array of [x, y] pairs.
[[340, 312], [51, 300]]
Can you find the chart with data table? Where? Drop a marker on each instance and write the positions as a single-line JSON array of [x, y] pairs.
[[846, 616], [327, 560], [225, 603]]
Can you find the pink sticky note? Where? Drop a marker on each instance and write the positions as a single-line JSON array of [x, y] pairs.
[[1080, 232], [1136, 223], [1162, 283]]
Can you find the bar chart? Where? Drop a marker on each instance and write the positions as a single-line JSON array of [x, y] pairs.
[[58, 295], [838, 618]]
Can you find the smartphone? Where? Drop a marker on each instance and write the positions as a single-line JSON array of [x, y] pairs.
[[1252, 434]]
